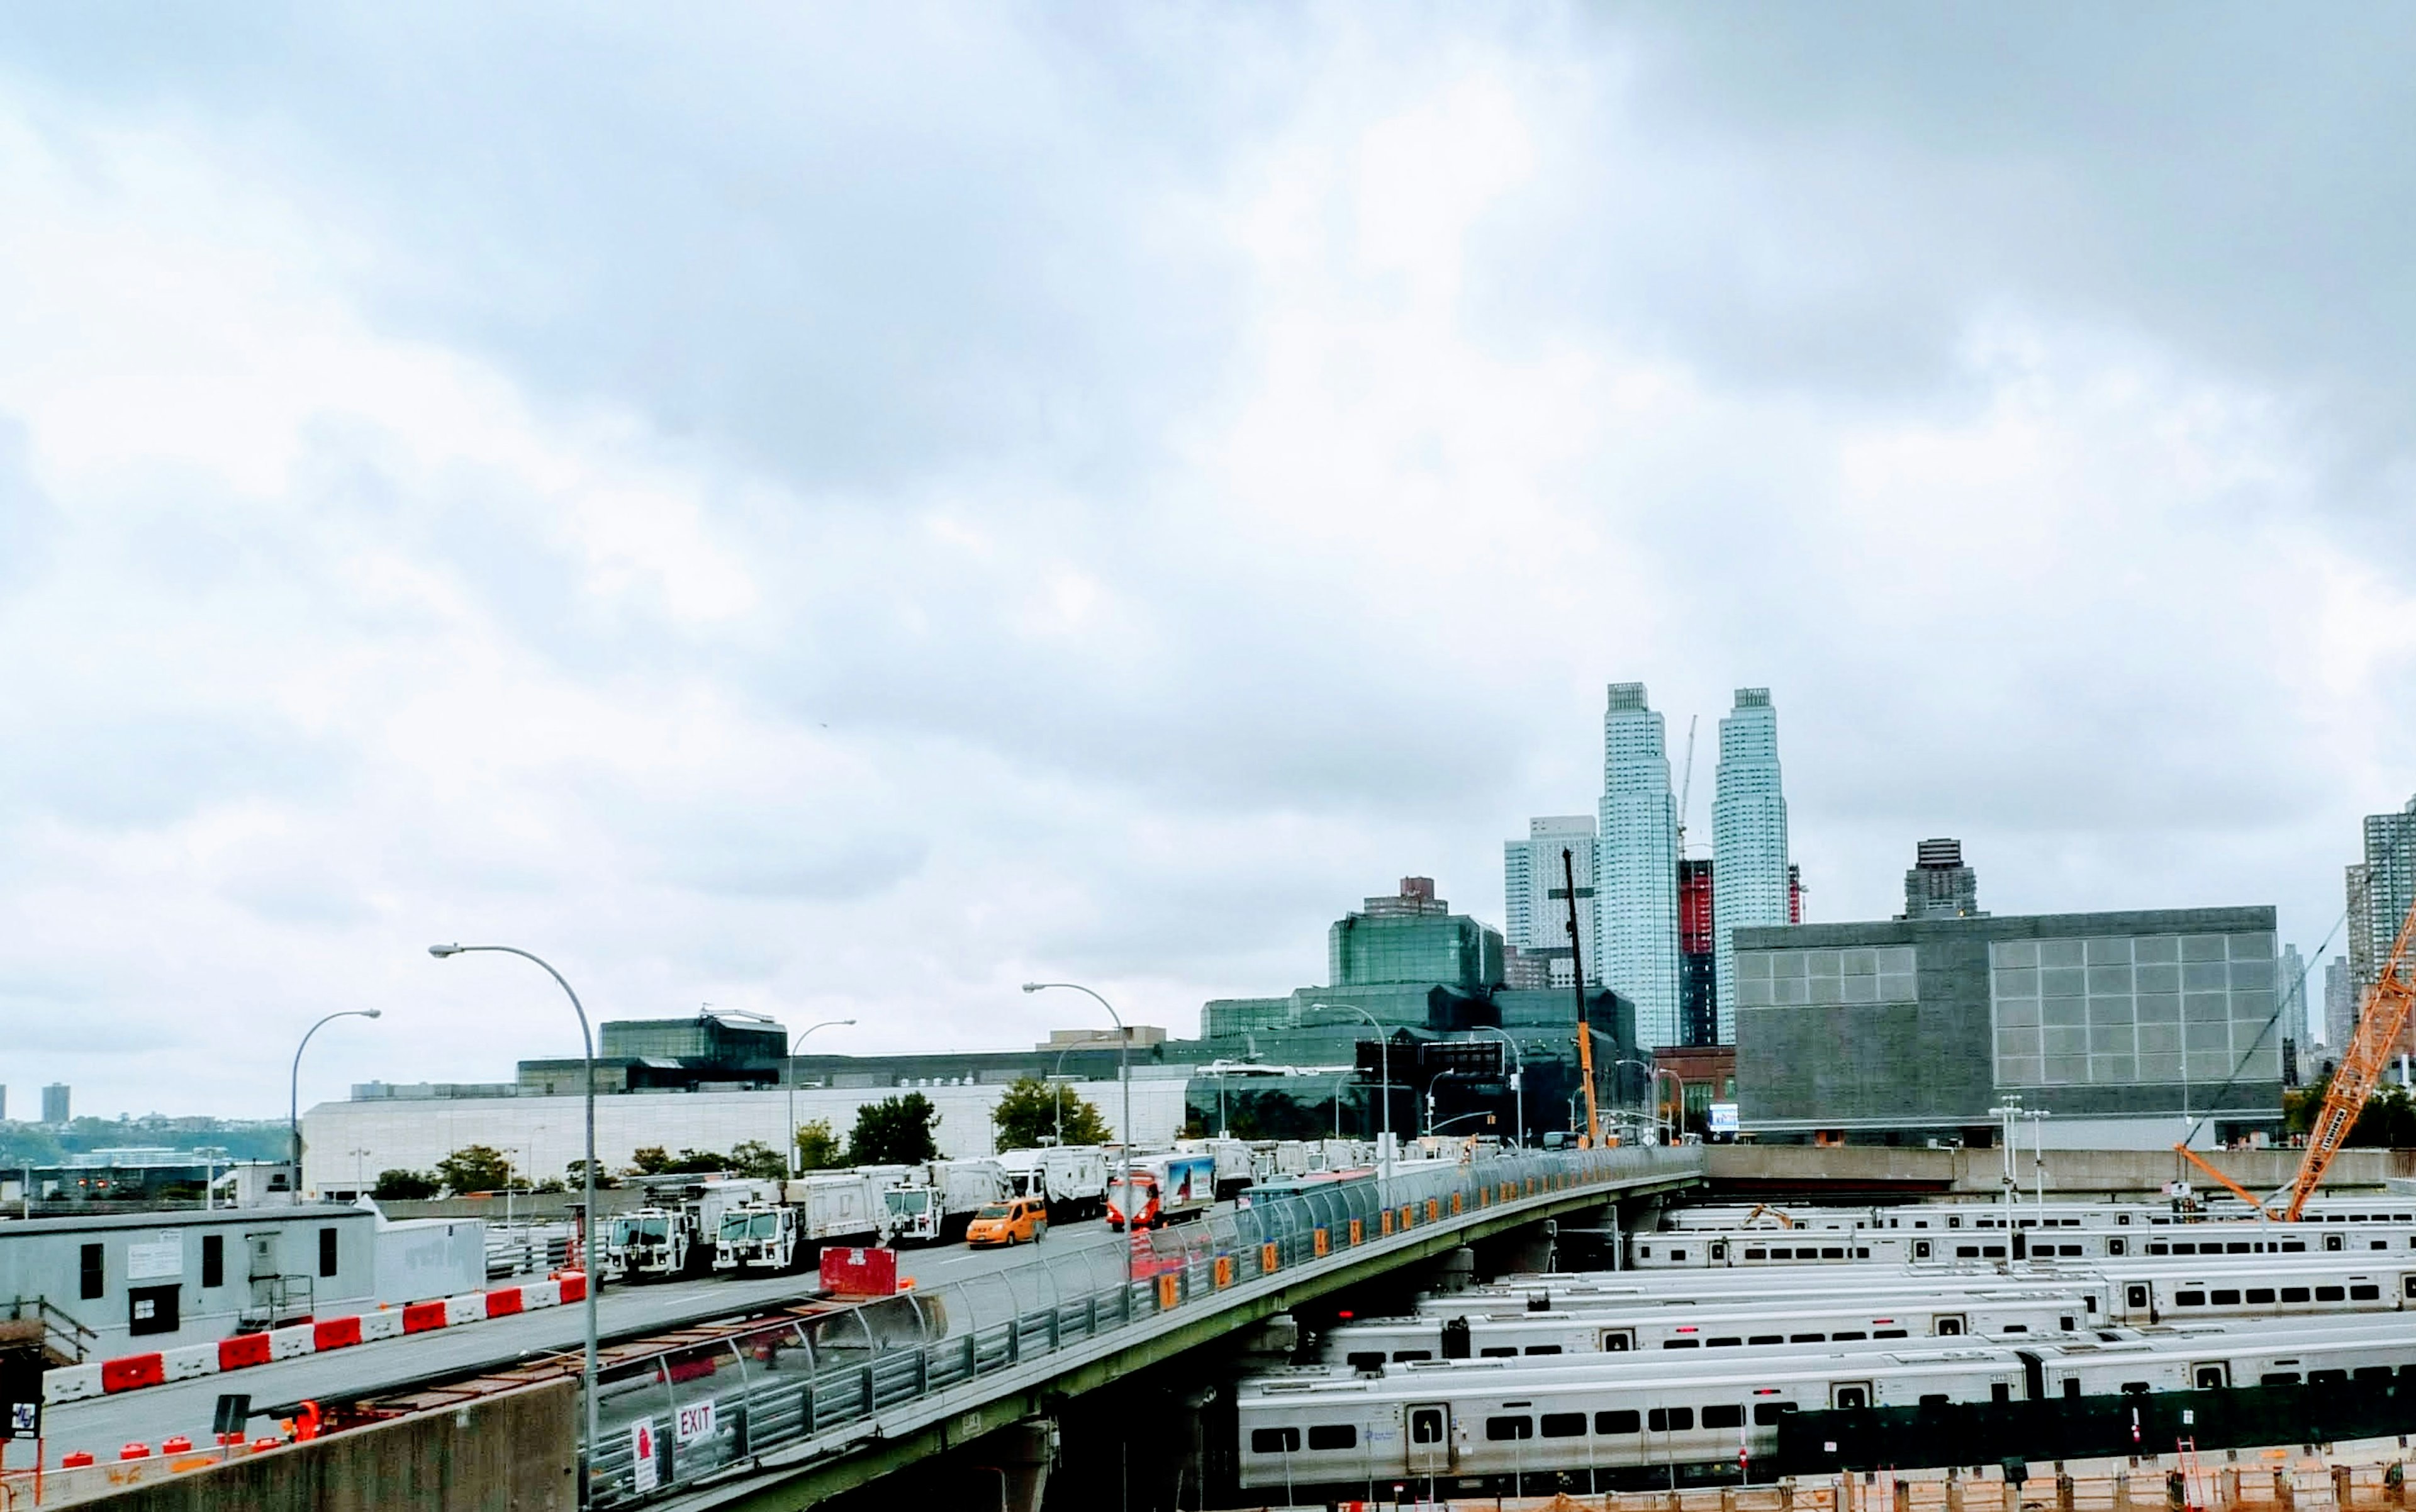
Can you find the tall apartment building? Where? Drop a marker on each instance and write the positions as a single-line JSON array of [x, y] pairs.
[[1535, 901], [1939, 885], [1698, 1020], [2381, 889], [2340, 1005], [1635, 866], [1748, 841], [55, 1103], [2291, 984]]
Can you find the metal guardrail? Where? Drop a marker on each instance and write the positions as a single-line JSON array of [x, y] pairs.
[[715, 1407]]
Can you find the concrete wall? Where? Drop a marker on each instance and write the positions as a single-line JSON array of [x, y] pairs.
[[517, 1452], [1751, 1167], [543, 1135]]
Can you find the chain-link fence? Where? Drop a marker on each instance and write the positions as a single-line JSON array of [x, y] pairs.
[[671, 1419]]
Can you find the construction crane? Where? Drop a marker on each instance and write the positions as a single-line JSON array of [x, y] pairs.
[[1686, 788], [2379, 1021], [1576, 975]]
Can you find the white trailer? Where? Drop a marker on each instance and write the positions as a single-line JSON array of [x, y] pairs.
[[1072, 1179], [782, 1226], [941, 1196]]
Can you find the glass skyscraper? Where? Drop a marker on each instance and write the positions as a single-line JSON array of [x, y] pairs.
[[1748, 841], [1636, 867], [1535, 902]]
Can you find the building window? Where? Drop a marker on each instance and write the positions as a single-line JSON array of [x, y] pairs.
[[2118, 1011], [326, 1251], [212, 1259], [1785, 978], [92, 1276]]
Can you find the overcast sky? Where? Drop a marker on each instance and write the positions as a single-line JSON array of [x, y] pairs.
[[837, 510]]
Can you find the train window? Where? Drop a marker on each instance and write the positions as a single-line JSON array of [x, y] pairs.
[[2294, 1247], [2372, 1372], [1767, 1339], [1955, 1222], [1806, 1339], [2294, 1294], [1842, 1335], [2072, 1387], [2227, 1296], [2065, 1323], [2326, 1378], [1889, 1333], [2278, 1378], [1832, 1252], [2122, 1218], [1615, 1342], [1966, 1251], [2189, 1299], [1669, 1419], [1543, 1349], [2134, 1388], [1674, 1254], [1950, 1327], [1722, 1415], [2258, 1293], [1853, 1396], [1426, 1425], [2000, 1391], [2118, 1246], [2014, 1328], [1498, 1352], [2134, 1296], [2408, 1285], [2371, 1244], [2368, 1293], [1623, 1421], [1768, 1413], [1667, 1343], [1333, 1436], [1934, 1399], [1274, 1439], [1921, 1249], [2331, 1293], [1646, 1251], [1729, 1342], [1520, 1427], [2160, 1250], [1371, 1360], [2074, 1249], [2331, 1241], [1400, 1356], [1750, 1254], [2208, 1377], [1992, 1251], [1719, 1252], [2237, 1246]]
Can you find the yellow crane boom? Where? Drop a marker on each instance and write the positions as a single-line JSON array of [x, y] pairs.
[[2379, 1020]]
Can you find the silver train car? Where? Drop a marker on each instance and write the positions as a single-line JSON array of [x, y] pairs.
[[1488, 1424], [2024, 1214], [1731, 1249], [1368, 1343]]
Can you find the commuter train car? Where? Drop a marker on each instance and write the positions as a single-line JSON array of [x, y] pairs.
[[1516, 1427], [1735, 1248], [1368, 1343], [1997, 1215]]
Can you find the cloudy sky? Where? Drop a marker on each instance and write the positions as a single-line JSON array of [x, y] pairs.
[[837, 510]]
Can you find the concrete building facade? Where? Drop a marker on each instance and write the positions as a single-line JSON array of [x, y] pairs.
[[2340, 1006], [1748, 841], [2127, 1027], [1535, 901], [1635, 866]]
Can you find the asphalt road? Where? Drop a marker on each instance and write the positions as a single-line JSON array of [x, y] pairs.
[[159, 1413]]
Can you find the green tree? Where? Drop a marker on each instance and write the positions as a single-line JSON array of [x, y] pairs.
[[574, 1175], [894, 1131], [475, 1168], [404, 1185], [697, 1163], [1027, 1116], [817, 1146], [753, 1157], [649, 1160]]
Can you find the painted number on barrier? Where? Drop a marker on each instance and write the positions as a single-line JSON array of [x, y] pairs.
[[695, 1422], [644, 1474]]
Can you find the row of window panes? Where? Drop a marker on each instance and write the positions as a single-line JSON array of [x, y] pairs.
[[2120, 1039], [2211, 1067], [2124, 950], [2093, 981], [1869, 960], [2198, 1008], [1825, 989]]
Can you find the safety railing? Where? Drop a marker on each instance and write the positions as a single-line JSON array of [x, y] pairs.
[[669, 1420]]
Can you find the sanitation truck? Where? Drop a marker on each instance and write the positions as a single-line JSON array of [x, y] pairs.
[[939, 1198], [782, 1226], [1165, 1188], [1071, 1178], [655, 1244]]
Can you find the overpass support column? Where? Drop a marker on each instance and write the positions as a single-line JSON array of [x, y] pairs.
[[1018, 1456]]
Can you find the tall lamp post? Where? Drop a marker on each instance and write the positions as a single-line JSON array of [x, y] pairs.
[[1518, 1081], [586, 1175], [1650, 1073], [1124, 1129], [1384, 1072], [294, 1087], [791, 1079]]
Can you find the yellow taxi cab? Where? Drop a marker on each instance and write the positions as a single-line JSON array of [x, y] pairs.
[[1019, 1221]]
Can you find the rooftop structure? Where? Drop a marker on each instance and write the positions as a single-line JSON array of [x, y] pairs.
[[1939, 885], [1412, 937]]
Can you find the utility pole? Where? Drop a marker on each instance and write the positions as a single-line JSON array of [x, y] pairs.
[[1577, 985]]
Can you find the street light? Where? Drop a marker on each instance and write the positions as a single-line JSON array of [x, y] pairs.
[[793, 1167], [1518, 1081], [1384, 1072], [1448, 1070], [586, 1175], [293, 1088], [1124, 1130]]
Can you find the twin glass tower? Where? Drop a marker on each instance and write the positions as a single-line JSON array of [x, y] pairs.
[[1636, 856]]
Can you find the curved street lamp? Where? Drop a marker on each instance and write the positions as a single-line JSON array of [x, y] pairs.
[[794, 1168], [587, 1174], [293, 1086], [1124, 1130], [1517, 1081], [1385, 1071]]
